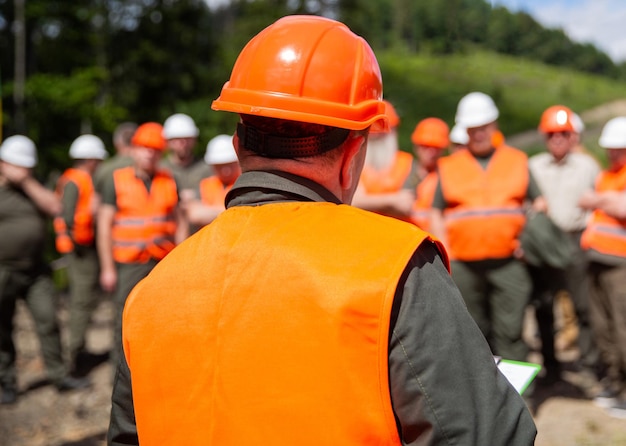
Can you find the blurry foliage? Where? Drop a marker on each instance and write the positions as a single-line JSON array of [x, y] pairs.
[[93, 64]]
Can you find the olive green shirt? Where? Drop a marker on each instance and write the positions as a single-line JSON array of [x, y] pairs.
[[22, 230]]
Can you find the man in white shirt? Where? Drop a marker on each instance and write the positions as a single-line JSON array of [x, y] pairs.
[[563, 175]]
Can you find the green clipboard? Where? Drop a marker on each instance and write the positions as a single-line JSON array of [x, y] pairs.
[[520, 374]]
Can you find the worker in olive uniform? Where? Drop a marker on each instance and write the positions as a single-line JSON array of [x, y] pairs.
[[478, 213], [294, 318], [139, 221], [75, 237], [24, 204]]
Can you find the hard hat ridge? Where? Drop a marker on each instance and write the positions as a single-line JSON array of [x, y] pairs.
[[308, 69]]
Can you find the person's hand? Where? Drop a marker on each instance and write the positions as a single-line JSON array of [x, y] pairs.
[[403, 202], [108, 279], [588, 200], [15, 174]]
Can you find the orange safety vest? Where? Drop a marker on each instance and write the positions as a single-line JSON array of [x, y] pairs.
[[82, 231], [425, 193], [604, 233], [484, 214], [387, 180], [212, 191], [144, 224], [279, 336]]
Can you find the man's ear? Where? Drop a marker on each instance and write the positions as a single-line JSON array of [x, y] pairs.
[[352, 161]]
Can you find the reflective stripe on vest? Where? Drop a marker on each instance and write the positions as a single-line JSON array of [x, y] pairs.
[[212, 191], [144, 224], [484, 214], [425, 193], [388, 180], [270, 327], [82, 231], [604, 233]]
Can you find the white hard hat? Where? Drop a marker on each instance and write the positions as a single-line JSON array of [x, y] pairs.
[[19, 150], [220, 150], [179, 125], [613, 134], [87, 147], [458, 135], [476, 109], [577, 123]]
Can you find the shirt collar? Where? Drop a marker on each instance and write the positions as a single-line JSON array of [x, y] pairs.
[[262, 187]]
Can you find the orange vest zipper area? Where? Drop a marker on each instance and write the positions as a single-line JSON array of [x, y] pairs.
[[279, 333], [144, 223], [82, 231], [604, 233], [484, 214]]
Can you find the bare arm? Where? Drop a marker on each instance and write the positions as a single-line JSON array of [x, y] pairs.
[[437, 225], [612, 203], [201, 214], [182, 226], [395, 204], [108, 273], [45, 199]]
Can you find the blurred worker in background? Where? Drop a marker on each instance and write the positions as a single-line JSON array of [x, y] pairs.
[[430, 139], [181, 134], [604, 240], [139, 221], [478, 214], [563, 177], [75, 238], [122, 136], [221, 156], [292, 309], [384, 186], [458, 138], [24, 204]]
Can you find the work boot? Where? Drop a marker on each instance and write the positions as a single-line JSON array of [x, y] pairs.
[[9, 395], [71, 383]]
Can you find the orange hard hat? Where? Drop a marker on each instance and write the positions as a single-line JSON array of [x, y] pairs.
[[149, 135], [431, 132], [393, 120], [557, 118], [309, 69]]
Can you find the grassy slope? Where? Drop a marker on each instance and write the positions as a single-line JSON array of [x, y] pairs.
[[426, 85]]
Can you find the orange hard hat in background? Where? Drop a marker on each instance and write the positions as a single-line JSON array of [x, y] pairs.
[[557, 118], [393, 120], [149, 135], [309, 69], [431, 132]]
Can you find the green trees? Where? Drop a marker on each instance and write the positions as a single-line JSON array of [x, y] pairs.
[[85, 66]]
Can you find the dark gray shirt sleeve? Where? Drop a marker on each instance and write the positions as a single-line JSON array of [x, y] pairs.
[[445, 387], [122, 426], [69, 200]]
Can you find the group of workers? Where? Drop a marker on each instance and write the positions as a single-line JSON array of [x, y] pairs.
[[304, 313], [114, 219]]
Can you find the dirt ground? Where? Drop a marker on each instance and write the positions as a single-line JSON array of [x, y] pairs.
[[43, 417]]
